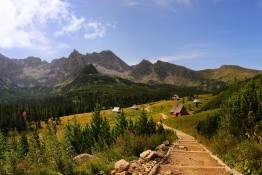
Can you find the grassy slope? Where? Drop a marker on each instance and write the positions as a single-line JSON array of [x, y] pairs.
[[153, 109], [188, 124], [230, 74]]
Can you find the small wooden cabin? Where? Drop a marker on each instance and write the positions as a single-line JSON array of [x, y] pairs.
[[197, 102], [175, 97], [116, 109], [135, 107], [179, 110]]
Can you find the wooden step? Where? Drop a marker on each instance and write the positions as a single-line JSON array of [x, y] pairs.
[[189, 147], [182, 151], [184, 158], [193, 170]]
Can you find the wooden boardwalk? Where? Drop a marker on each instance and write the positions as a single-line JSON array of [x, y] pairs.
[[188, 157]]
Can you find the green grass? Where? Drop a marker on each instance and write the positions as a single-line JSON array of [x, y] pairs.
[[153, 109], [189, 123]]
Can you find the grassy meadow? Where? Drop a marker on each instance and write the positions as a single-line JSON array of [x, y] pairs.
[[154, 110]]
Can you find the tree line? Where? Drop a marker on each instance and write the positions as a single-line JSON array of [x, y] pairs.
[[36, 110]]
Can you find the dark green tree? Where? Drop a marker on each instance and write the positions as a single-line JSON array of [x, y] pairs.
[[23, 146], [120, 125]]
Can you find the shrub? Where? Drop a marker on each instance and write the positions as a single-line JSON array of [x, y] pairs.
[[209, 126], [246, 157]]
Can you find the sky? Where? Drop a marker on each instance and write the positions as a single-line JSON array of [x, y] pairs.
[[198, 34]]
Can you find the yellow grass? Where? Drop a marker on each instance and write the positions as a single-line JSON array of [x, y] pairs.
[[153, 109]]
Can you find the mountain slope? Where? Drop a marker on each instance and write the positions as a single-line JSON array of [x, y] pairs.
[[34, 72], [223, 96], [90, 81], [229, 73], [164, 73]]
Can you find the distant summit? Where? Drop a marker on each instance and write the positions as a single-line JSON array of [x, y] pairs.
[[33, 71]]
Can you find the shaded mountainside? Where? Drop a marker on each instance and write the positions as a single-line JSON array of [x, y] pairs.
[[33, 72], [88, 82], [165, 73], [91, 81]]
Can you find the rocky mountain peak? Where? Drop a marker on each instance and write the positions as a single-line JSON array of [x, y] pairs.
[[75, 54], [145, 62]]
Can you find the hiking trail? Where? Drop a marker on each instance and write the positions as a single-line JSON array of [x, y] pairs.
[[188, 157]]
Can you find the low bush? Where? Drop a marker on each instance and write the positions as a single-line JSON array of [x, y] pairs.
[[209, 126], [245, 157]]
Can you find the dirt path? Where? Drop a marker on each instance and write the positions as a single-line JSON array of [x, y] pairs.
[[188, 157]]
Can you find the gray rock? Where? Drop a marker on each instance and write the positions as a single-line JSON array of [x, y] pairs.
[[81, 158], [144, 154], [167, 143], [134, 165], [162, 147], [160, 153], [151, 155], [121, 165], [113, 172]]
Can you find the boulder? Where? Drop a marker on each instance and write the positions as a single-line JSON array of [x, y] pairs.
[[162, 147], [121, 165], [113, 172], [167, 143], [134, 165], [151, 155], [144, 154], [161, 153], [81, 158]]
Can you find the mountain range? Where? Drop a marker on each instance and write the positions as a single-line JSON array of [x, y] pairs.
[[34, 72]]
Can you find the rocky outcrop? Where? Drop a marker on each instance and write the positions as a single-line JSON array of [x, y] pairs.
[[33, 71], [82, 158], [147, 160]]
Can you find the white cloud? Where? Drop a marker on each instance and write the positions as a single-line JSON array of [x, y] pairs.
[[163, 3], [95, 30], [32, 23], [75, 25]]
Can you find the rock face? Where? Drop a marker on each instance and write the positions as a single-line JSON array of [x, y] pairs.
[[33, 71]]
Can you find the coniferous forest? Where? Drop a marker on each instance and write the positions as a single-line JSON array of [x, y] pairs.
[[14, 114]]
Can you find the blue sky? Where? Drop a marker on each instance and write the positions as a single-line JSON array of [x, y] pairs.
[[195, 33]]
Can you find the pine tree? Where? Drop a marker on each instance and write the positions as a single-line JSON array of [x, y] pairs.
[[3, 145], [100, 128], [120, 125], [23, 146], [73, 134]]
